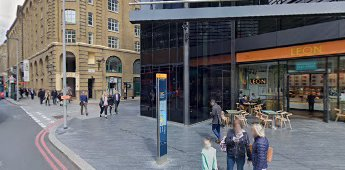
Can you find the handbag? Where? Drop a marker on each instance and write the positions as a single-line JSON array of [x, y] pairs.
[[269, 153]]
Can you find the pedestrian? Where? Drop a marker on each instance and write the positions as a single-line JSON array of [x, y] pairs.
[[21, 91], [47, 97], [26, 92], [209, 156], [117, 99], [110, 103], [54, 96], [216, 119], [69, 93], [237, 146], [311, 101], [103, 104], [60, 98], [41, 95], [83, 103], [32, 93], [259, 148]]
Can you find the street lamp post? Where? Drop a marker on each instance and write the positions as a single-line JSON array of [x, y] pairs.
[[64, 79], [17, 69]]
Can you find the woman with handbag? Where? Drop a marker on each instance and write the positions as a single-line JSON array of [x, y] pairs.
[[237, 147], [260, 148]]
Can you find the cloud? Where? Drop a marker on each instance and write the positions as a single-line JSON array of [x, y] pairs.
[[8, 10]]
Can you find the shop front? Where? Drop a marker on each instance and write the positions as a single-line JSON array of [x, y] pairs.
[[283, 78]]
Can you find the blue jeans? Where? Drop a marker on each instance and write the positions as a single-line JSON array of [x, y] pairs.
[[216, 130], [239, 162]]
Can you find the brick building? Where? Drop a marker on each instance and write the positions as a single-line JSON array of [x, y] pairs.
[[102, 45]]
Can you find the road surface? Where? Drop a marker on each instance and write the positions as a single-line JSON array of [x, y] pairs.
[[24, 144]]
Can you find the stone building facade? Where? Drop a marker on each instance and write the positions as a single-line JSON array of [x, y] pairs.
[[3, 57], [102, 45]]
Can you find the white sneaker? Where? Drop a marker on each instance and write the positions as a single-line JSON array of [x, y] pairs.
[[106, 116]]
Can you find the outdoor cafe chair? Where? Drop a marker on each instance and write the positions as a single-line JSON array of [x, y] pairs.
[[242, 117], [266, 120], [287, 116], [339, 114], [282, 118]]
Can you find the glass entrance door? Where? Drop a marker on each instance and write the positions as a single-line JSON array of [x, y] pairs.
[[306, 94]]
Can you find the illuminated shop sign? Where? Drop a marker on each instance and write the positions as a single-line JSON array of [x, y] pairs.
[[258, 81], [306, 66]]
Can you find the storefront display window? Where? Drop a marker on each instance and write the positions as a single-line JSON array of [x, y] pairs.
[[262, 80], [114, 84]]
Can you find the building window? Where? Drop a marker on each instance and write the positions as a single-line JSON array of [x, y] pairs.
[[90, 19], [137, 30], [113, 25], [136, 67], [113, 42], [90, 1], [137, 46], [70, 16], [90, 38], [113, 5], [70, 36], [113, 65]]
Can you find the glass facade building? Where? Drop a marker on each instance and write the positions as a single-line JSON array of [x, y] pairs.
[[279, 59]]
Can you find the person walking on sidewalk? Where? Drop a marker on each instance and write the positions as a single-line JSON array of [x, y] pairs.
[[110, 103], [41, 95], [117, 99], [54, 96], [47, 97], [32, 93], [216, 119], [260, 148], [237, 145], [83, 103], [209, 156], [103, 104]]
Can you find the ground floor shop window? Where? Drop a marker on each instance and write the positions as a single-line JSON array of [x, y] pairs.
[[263, 84], [114, 84]]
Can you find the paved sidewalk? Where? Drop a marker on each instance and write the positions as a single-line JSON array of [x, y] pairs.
[[128, 141]]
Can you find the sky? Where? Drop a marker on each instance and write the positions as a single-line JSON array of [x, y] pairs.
[[8, 9]]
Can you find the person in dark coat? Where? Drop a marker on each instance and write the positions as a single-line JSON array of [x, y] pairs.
[[216, 119], [311, 101], [26, 92], [60, 98], [237, 147], [110, 103], [32, 93], [54, 96], [259, 148], [41, 95], [117, 99]]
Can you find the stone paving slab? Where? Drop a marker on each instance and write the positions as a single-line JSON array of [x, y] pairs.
[[128, 141]]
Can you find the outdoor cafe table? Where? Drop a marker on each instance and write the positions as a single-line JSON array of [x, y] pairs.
[[251, 106], [273, 114], [232, 114]]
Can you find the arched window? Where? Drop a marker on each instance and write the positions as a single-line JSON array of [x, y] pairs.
[[70, 62], [136, 67], [114, 65]]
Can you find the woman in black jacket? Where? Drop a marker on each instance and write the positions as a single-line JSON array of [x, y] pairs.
[[237, 146], [260, 148]]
